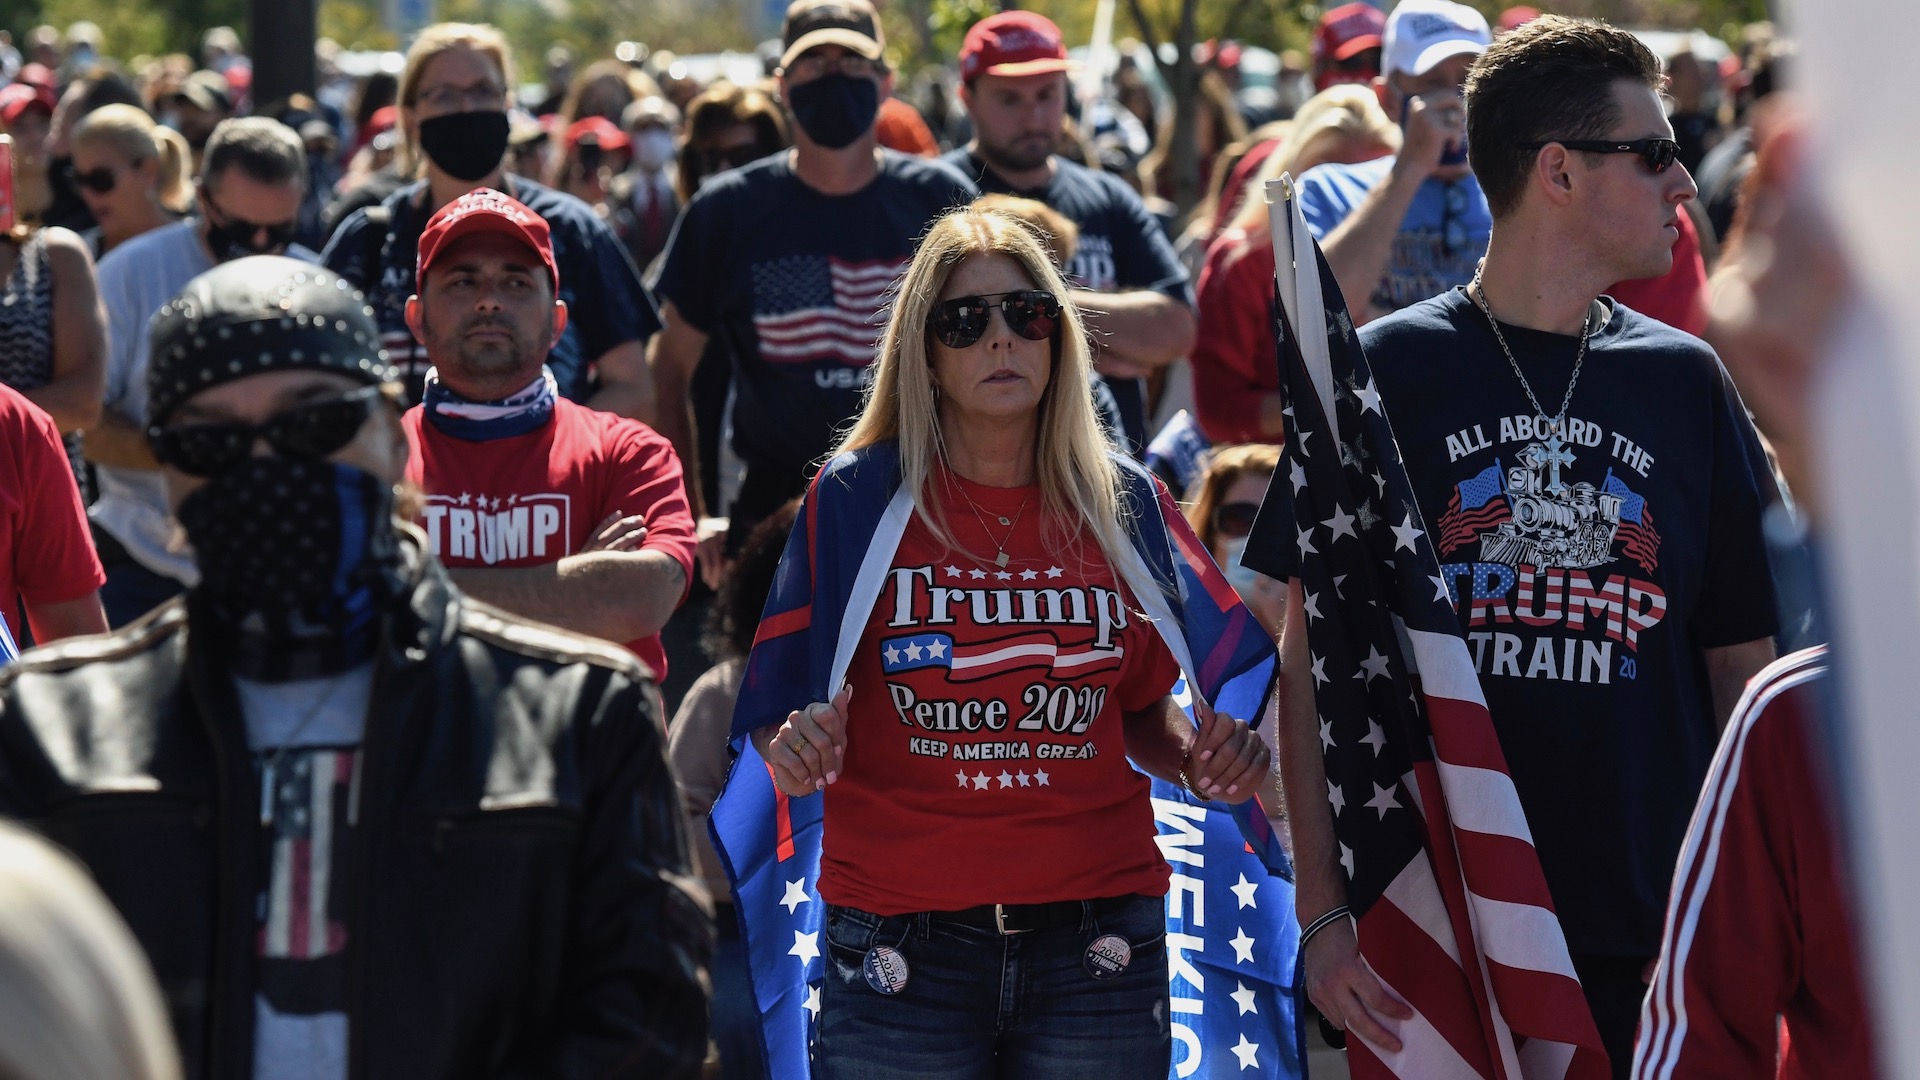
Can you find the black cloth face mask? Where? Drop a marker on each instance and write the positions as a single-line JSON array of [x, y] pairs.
[[298, 560], [467, 146], [835, 109]]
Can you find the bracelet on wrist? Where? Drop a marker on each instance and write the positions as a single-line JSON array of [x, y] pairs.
[[1332, 916], [1186, 776]]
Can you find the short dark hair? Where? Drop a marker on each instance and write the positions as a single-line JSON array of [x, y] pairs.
[[1550, 79], [268, 151]]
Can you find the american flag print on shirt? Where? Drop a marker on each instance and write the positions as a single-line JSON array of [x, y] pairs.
[[1450, 903], [985, 659], [308, 786], [818, 309]]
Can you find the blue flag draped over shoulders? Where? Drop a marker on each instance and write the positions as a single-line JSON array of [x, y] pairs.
[[1231, 989]]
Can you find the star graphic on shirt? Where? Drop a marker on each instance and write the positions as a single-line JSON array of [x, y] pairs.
[[962, 777], [812, 1004], [465, 499], [1375, 737], [1383, 800], [1243, 998], [1374, 666], [1298, 475], [1243, 892], [936, 649], [1242, 946], [1406, 533], [1320, 670], [953, 571], [892, 654], [979, 781], [1247, 1052], [796, 895], [1326, 734], [914, 651], [1341, 522], [1003, 576], [1029, 575], [1346, 860], [1005, 778], [1040, 776], [1369, 398], [513, 500], [977, 574], [805, 946], [1054, 571], [1336, 797], [1023, 777], [1312, 605]]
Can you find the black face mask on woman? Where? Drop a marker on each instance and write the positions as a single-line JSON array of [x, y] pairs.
[[835, 109], [466, 145]]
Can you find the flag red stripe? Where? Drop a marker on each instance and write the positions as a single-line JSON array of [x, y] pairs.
[[1463, 733], [299, 911], [1536, 1002], [1503, 868], [782, 820], [1453, 893], [1420, 969], [787, 622]]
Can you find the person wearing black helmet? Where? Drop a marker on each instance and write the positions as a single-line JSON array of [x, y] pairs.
[[362, 824]]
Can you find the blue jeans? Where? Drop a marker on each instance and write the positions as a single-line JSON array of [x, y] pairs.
[[979, 1004]]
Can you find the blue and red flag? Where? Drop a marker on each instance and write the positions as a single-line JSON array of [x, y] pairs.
[[829, 579], [1479, 502], [1638, 540]]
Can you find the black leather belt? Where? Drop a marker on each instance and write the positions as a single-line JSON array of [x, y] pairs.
[[1022, 918]]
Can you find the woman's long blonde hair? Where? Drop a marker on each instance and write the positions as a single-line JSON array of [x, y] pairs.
[[1078, 480], [1341, 113], [132, 134], [77, 998]]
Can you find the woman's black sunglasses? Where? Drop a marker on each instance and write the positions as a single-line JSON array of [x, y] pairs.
[[1658, 154], [1235, 519], [311, 431], [1031, 313], [98, 180]]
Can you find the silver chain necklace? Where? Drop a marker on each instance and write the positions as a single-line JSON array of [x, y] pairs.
[[1557, 423]]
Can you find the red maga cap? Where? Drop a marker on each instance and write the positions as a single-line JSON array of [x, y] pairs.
[[605, 133], [18, 98], [1348, 29], [485, 211], [1013, 43]]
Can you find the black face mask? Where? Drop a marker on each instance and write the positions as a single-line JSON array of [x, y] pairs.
[[835, 109], [467, 146], [297, 561]]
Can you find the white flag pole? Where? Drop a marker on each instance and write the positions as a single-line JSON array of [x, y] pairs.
[[1297, 280]]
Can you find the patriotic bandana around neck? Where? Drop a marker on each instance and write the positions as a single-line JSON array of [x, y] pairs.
[[1231, 926], [1450, 903], [480, 421]]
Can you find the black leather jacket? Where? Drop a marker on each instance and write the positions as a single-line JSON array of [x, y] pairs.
[[525, 906]]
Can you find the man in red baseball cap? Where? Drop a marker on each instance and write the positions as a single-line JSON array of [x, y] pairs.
[[1346, 45], [1128, 284], [549, 509]]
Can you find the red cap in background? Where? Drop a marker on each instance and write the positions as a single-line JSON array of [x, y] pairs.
[[1347, 30], [17, 98], [1013, 43], [482, 211], [603, 131], [1516, 17]]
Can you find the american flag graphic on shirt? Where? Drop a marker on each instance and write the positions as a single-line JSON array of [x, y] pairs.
[[816, 308], [972, 661], [308, 785]]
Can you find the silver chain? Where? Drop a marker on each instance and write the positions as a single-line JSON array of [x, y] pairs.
[[1586, 330]]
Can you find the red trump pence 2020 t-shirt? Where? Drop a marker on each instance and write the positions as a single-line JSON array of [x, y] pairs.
[[985, 758], [46, 554], [532, 499]]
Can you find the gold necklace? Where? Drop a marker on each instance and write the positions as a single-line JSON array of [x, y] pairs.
[[1000, 547]]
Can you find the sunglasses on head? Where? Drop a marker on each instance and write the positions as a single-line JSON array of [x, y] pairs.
[[1032, 313], [1235, 519], [98, 180], [308, 432], [1658, 154]]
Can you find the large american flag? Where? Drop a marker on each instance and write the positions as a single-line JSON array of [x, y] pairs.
[[813, 308], [1452, 908]]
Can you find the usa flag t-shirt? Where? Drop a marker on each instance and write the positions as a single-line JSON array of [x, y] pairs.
[[985, 757], [796, 285]]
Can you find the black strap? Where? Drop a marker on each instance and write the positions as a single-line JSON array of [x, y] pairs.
[[373, 256]]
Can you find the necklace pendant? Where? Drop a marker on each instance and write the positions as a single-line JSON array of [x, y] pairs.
[[1001, 561], [1006, 521]]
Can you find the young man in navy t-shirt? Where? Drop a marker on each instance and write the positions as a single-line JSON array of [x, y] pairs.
[[791, 261], [1013, 82], [1593, 488]]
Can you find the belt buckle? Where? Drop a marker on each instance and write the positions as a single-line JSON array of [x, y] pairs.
[[1000, 921]]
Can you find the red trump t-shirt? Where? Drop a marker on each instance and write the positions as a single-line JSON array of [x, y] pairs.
[[985, 757], [532, 499]]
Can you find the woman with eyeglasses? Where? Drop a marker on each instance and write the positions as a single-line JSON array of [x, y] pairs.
[[988, 850], [131, 173]]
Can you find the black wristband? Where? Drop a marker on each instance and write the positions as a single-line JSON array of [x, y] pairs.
[[1332, 916]]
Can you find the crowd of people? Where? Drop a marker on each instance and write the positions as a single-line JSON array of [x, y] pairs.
[[395, 478]]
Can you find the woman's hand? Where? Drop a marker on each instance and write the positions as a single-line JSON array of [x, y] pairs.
[[1229, 759], [808, 750], [1347, 993]]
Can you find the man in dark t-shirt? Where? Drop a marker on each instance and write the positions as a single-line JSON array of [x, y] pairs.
[[791, 261], [1013, 82], [1593, 488]]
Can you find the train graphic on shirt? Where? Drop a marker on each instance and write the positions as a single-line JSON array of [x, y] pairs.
[[1529, 514]]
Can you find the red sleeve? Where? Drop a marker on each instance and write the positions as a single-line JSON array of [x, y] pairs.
[[1233, 358], [1734, 951], [1679, 296], [647, 480], [54, 560]]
